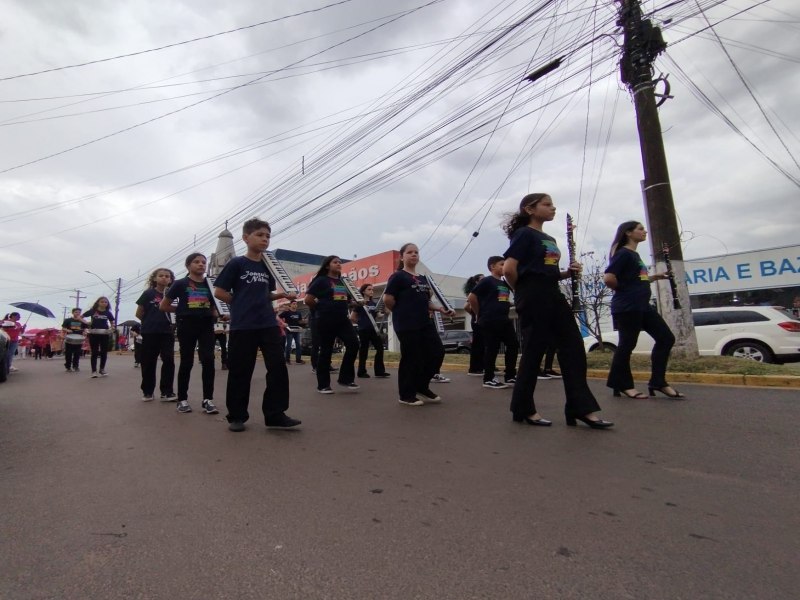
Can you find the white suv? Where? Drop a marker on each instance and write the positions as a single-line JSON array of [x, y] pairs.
[[763, 333]]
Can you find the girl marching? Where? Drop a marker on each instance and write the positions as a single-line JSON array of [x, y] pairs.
[[101, 326], [157, 337]]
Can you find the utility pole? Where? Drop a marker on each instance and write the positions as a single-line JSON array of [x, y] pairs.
[[642, 44], [77, 297]]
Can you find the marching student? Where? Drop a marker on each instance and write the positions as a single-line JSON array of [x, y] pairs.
[[157, 337], [531, 269], [327, 297], [294, 328], [74, 325], [632, 313], [367, 334], [477, 349], [195, 316], [408, 298], [247, 286], [490, 302], [101, 326]]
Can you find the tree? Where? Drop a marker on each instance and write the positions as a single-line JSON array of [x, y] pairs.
[[595, 297]]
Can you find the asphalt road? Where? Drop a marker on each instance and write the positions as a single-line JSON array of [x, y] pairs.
[[104, 496]]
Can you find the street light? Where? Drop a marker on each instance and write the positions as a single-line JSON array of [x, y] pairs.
[[117, 293]]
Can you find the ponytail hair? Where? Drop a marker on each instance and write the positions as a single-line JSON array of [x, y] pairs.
[[400, 265], [621, 237], [470, 284], [520, 219]]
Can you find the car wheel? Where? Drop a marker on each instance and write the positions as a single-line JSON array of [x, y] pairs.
[[750, 350], [606, 347]]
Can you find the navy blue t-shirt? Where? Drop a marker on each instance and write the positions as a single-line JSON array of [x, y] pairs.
[[331, 295], [194, 298], [74, 325], [633, 283], [100, 319], [363, 322], [536, 253], [494, 300], [412, 295], [291, 318], [154, 320], [251, 285]]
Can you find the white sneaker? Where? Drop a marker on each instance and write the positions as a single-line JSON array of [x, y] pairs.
[[440, 379], [13, 369], [183, 407], [495, 385], [147, 398]]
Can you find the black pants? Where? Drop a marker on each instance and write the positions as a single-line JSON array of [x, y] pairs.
[[421, 355], [298, 351], [314, 343], [629, 325], [328, 332], [478, 349], [153, 346], [98, 342], [493, 334], [223, 347], [548, 358], [137, 352], [243, 350], [366, 337], [72, 355], [547, 320], [196, 333]]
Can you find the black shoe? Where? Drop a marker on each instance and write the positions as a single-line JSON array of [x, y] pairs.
[[540, 422], [282, 422], [598, 424], [334, 369], [553, 374], [300, 362], [383, 376], [351, 386], [428, 397], [662, 390], [363, 375], [236, 426]]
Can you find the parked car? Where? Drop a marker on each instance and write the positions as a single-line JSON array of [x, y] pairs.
[[762, 333], [457, 341]]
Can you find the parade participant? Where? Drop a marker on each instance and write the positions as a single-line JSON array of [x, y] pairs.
[[327, 297], [195, 315], [221, 338], [247, 286], [548, 372], [14, 332], [74, 325], [490, 302], [158, 339], [477, 348], [294, 328], [408, 298], [632, 312], [101, 326], [367, 334], [531, 269], [135, 336]]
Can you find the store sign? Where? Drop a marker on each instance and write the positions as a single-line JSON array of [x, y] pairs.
[[763, 269], [372, 269]]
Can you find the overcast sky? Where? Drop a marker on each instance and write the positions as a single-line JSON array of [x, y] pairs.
[[360, 91]]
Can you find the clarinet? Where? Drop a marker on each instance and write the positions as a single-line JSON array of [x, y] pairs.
[[573, 275], [673, 287]]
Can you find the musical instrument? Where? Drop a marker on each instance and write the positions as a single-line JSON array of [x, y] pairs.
[[356, 295], [673, 287], [73, 339], [293, 329], [99, 331], [573, 275], [439, 322], [278, 273], [222, 307], [440, 297]]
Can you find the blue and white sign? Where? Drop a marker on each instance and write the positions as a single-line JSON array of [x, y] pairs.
[[762, 269]]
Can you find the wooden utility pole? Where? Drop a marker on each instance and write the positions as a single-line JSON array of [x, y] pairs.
[[78, 297], [642, 44]]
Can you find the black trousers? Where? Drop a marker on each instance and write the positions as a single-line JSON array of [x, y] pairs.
[[314, 343], [328, 332], [98, 342], [366, 337], [243, 352], [137, 352], [72, 354], [196, 333], [495, 333], [629, 326], [478, 349], [223, 347], [153, 346], [421, 355], [548, 358], [546, 321]]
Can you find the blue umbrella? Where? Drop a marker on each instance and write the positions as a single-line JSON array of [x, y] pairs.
[[35, 308]]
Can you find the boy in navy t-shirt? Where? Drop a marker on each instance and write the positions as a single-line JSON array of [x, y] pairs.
[[247, 286]]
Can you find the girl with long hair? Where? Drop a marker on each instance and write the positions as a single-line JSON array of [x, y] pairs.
[[14, 331], [367, 334], [408, 298], [157, 337], [327, 297], [195, 315], [531, 269], [101, 326], [632, 313]]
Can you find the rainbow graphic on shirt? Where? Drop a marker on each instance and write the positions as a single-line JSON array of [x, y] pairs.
[[197, 298], [339, 292], [643, 272], [551, 253], [503, 293]]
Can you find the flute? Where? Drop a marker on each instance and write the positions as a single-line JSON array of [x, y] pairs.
[[573, 275], [673, 287]]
